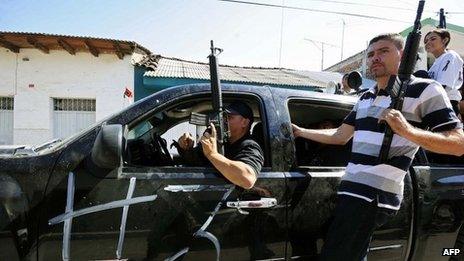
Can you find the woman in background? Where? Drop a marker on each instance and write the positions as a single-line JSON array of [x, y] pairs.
[[447, 68], [461, 103]]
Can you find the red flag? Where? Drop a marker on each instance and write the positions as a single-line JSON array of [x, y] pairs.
[[127, 93]]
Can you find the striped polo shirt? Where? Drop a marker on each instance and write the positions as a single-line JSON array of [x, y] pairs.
[[425, 106]]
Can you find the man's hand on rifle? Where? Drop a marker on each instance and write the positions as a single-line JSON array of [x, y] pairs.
[[397, 122], [208, 142], [186, 141]]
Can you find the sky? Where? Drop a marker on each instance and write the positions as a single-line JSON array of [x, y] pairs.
[[250, 35]]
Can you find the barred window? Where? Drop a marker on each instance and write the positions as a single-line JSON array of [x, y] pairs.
[[73, 105], [6, 103]]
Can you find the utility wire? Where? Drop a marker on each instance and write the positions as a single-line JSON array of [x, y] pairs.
[[316, 10], [316, 42], [281, 34], [372, 5], [405, 2]]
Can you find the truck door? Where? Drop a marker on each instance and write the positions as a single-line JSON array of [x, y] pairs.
[[155, 207], [313, 183], [440, 196]]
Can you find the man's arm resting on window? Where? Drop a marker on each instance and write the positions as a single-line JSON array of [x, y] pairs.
[[237, 172], [339, 136]]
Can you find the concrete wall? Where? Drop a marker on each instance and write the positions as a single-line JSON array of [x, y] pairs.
[[35, 78]]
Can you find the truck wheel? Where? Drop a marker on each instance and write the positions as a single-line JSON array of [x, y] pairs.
[[459, 244]]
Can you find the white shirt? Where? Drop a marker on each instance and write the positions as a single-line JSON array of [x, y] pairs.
[[447, 70]]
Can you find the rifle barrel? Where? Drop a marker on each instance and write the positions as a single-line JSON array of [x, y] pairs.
[[216, 93], [404, 75]]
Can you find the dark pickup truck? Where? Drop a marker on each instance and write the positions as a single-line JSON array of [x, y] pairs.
[[117, 191]]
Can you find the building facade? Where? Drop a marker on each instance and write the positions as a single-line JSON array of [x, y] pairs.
[[357, 62], [52, 86]]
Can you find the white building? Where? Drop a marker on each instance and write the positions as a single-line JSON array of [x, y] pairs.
[[52, 86]]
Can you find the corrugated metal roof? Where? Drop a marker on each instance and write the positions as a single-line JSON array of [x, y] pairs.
[[334, 76], [163, 67], [320, 76]]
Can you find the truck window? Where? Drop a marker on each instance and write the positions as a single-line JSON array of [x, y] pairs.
[[317, 115], [152, 141]]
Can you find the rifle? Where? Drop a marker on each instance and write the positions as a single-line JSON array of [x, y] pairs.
[[217, 116], [397, 84], [218, 113]]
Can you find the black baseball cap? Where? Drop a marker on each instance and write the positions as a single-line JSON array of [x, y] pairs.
[[240, 108]]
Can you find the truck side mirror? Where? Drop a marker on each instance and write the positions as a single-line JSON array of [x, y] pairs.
[[107, 149]]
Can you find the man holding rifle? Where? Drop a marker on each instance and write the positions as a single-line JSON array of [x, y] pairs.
[[371, 191], [233, 153], [243, 157]]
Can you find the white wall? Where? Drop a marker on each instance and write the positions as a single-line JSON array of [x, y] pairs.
[[60, 75], [7, 72]]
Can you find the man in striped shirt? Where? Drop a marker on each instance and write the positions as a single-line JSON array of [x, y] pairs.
[[371, 193]]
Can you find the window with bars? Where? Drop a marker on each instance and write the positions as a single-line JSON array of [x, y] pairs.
[[73, 104], [6, 103]]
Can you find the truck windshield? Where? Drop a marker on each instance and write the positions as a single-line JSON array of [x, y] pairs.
[[64, 142], [55, 144]]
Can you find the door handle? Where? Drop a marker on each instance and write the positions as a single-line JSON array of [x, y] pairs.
[[261, 203]]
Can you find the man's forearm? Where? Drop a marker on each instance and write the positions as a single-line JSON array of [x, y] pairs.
[[327, 136], [449, 142], [236, 172]]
